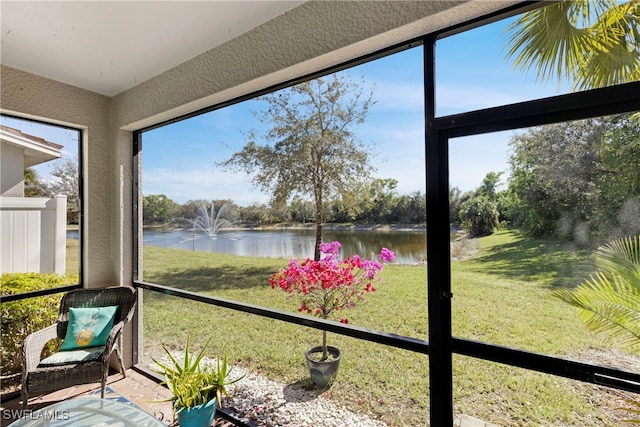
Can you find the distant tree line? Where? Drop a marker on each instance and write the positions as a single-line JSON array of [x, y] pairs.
[[379, 203]]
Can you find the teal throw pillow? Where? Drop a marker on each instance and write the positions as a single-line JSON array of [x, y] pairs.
[[88, 327]]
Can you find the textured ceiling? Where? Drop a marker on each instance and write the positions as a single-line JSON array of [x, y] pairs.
[[110, 46]]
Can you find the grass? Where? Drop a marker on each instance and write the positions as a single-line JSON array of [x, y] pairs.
[[503, 295], [73, 259]]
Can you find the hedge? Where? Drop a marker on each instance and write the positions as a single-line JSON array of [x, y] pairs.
[[20, 318]]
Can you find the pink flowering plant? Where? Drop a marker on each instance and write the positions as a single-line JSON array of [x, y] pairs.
[[330, 285]]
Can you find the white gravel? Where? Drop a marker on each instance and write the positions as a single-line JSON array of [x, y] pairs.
[[269, 403], [265, 402]]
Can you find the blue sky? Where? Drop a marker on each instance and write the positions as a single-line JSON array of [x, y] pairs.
[[472, 73]]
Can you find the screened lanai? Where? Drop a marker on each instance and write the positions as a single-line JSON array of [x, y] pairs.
[[130, 76]]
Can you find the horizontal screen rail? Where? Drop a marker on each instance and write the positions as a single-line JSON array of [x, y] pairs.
[[575, 370], [393, 340], [38, 293], [572, 106], [595, 374]]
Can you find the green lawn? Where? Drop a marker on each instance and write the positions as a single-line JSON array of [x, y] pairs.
[[502, 295]]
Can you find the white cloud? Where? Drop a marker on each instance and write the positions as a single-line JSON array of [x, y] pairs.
[[452, 98], [193, 184], [399, 96]]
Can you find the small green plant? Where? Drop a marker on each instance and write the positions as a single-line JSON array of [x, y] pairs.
[[223, 369], [192, 381]]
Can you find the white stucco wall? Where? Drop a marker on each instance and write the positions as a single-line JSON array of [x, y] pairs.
[[12, 171], [32, 96]]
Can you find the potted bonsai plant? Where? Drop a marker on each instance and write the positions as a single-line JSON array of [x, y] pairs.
[[197, 387], [324, 287]]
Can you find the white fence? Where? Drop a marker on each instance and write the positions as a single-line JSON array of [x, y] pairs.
[[33, 234]]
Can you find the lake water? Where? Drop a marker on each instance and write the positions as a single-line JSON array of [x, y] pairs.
[[409, 246]]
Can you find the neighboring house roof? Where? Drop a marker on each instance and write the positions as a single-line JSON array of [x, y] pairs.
[[36, 150]]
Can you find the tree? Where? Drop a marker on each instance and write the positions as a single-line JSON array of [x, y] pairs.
[[258, 214], [479, 216], [477, 210], [302, 210], [33, 186], [591, 43], [490, 184], [553, 177], [577, 180], [66, 181], [455, 201], [157, 209], [377, 200], [410, 209], [619, 184], [609, 302], [311, 148]]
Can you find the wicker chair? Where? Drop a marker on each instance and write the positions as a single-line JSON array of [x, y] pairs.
[[37, 377]]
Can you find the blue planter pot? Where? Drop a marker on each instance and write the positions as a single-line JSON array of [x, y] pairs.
[[198, 416]]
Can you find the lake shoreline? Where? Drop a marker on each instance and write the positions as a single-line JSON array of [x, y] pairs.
[[310, 226]]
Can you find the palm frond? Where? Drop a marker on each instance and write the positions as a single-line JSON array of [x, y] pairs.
[[593, 43], [545, 39], [615, 58], [609, 301], [621, 256]]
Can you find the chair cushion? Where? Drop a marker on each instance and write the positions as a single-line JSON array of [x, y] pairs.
[[88, 327], [73, 356]]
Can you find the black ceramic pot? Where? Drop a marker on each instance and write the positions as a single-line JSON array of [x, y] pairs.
[[323, 373]]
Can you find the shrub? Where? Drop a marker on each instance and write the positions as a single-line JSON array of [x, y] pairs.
[[20, 318], [479, 216]]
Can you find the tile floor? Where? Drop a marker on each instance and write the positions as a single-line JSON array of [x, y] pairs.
[[136, 387]]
